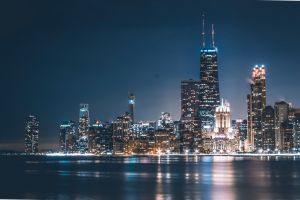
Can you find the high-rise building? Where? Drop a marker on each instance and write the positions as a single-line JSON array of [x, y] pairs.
[[190, 135], [100, 138], [281, 122], [67, 136], [190, 91], [223, 138], [166, 122], [143, 136], [268, 126], [121, 134], [239, 128], [83, 128], [31, 134], [249, 145], [131, 106], [296, 131], [209, 84], [165, 126], [257, 101]]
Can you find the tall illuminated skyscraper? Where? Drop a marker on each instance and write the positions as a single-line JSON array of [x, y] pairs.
[[223, 130], [284, 125], [120, 129], [249, 145], [131, 105], [281, 118], [189, 127], [83, 128], [67, 136], [31, 134], [296, 131], [256, 105], [209, 84], [190, 91], [268, 125]]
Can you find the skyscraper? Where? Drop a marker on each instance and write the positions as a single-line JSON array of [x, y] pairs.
[[281, 121], [83, 128], [209, 84], [268, 126], [296, 131], [223, 135], [120, 128], [131, 105], [256, 104], [249, 145], [100, 138], [31, 134], [190, 91], [67, 136], [239, 128]]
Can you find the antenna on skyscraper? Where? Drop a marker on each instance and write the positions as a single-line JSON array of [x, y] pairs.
[[203, 32], [213, 35]]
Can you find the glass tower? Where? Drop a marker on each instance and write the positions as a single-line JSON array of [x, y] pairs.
[[67, 136], [258, 104], [31, 134], [209, 87], [83, 127]]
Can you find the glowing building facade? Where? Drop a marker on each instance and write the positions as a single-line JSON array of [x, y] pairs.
[[83, 128], [67, 136], [209, 88], [190, 127], [283, 126], [296, 132], [190, 93], [31, 134], [222, 119], [223, 139], [209, 83], [239, 129], [256, 104], [121, 134], [100, 138], [268, 126]]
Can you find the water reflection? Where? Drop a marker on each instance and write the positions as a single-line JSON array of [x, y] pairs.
[[153, 177]]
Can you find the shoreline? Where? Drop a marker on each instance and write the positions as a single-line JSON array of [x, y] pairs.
[[149, 155]]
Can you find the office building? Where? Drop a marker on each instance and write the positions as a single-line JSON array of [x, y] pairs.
[[209, 98], [268, 126], [83, 128], [31, 134], [67, 137], [256, 103]]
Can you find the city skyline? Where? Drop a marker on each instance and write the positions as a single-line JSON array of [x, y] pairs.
[[168, 95]]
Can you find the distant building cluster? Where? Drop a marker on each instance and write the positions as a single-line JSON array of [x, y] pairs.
[[205, 125]]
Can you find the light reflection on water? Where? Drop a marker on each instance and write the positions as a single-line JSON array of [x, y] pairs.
[[154, 177]]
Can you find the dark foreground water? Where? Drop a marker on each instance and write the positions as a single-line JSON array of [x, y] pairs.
[[146, 177]]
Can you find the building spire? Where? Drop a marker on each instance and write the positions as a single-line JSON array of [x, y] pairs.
[[203, 31], [213, 35]]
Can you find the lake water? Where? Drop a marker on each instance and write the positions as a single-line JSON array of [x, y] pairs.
[[150, 177]]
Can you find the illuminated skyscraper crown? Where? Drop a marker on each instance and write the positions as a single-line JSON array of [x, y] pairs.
[[224, 107], [258, 72]]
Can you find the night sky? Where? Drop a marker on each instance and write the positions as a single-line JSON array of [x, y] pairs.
[[56, 54]]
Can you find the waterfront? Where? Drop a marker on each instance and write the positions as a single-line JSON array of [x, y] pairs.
[[150, 177]]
